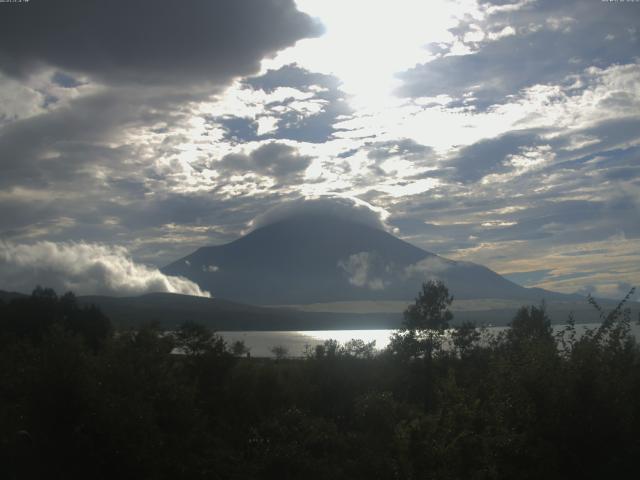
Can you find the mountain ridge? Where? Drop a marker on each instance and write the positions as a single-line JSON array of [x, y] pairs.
[[320, 258]]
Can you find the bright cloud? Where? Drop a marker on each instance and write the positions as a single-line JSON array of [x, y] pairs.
[[366, 270], [85, 269], [384, 37], [463, 125]]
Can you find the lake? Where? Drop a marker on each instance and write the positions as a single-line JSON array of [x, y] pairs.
[[296, 343]]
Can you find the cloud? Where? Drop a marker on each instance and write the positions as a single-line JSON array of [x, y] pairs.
[[347, 208], [150, 41], [544, 155], [238, 129], [546, 42], [473, 162], [84, 268], [528, 279], [312, 104], [616, 291], [101, 130], [366, 270], [292, 76], [429, 268], [404, 148], [69, 142], [275, 160], [370, 270]]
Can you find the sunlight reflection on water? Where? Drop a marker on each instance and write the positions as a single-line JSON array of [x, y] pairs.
[[298, 342]]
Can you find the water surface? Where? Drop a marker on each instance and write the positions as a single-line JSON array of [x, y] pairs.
[[297, 343]]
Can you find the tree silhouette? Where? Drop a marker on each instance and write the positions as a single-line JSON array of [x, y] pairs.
[[279, 352], [424, 322], [431, 308]]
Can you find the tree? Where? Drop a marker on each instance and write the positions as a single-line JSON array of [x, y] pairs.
[[89, 322], [358, 348], [465, 337], [531, 323], [240, 349], [424, 322], [194, 339], [431, 308], [34, 317], [280, 352]]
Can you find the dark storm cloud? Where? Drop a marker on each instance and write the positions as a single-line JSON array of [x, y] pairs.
[[149, 41], [275, 160], [552, 40]]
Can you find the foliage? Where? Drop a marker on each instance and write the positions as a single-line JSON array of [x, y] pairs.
[[530, 324], [354, 348], [431, 308], [35, 317], [279, 351], [194, 339], [145, 404], [465, 337], [424, 323], [240, 349]]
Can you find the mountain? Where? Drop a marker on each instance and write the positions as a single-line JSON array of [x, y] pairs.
[[320, 258]]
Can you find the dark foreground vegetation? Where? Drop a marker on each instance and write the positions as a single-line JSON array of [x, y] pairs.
[[78, 400]]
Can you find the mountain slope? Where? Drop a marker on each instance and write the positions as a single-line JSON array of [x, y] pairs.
[[321, 258]]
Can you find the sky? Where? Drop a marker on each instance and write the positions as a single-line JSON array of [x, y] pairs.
[[500, 132]]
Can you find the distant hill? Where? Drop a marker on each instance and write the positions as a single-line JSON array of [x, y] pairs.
[[8, 296], [170, 310], [320, 258]]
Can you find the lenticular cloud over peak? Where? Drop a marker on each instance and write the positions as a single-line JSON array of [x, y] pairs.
[[345, 208], [84, 268]]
